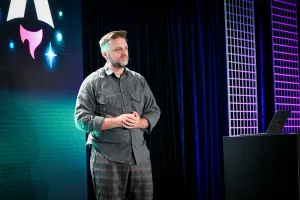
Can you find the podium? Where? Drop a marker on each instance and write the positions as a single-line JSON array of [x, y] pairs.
[[261, 167]]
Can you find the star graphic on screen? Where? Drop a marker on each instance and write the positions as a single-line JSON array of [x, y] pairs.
[[50, 54]]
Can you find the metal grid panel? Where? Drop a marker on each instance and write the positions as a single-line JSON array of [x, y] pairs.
[[285, 61], [241, 67]]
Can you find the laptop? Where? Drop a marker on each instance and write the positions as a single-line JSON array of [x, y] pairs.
[[278, 122]]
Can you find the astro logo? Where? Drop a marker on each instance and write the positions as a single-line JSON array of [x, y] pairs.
[[17, 10]]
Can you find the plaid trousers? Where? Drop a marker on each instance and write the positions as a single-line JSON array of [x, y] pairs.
[[115, 181]]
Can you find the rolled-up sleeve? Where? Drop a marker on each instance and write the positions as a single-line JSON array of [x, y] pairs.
[[151, 111], [85, 118]]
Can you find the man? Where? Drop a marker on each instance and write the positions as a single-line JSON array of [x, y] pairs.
[[116, 107]]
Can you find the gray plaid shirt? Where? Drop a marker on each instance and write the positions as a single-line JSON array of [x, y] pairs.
[[102, 95]]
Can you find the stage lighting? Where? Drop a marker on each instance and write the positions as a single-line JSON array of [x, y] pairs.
[[60, 13], [11, 45], [59, 36], [50, 54]]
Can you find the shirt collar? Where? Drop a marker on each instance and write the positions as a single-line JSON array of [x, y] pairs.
[[108, 70]]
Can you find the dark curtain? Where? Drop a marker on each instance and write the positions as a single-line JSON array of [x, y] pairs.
[[264, 63], [179, 47]]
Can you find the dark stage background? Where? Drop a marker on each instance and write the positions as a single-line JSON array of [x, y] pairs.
[[180, 50], [178, 46]]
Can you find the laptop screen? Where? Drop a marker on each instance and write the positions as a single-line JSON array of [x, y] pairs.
[[278, 122]]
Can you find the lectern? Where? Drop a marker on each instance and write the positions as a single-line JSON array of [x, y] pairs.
[[261, 167]]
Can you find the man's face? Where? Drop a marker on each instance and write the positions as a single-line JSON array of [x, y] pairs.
[[117, 52]]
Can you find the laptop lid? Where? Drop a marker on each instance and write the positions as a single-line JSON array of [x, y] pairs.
[[278, 122]]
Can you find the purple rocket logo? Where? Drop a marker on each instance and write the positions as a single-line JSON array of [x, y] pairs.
[[34, 38]]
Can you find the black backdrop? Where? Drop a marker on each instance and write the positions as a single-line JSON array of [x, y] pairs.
[[178, 46], [180, 50]]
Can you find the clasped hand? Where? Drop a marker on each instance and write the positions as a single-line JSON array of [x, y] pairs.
[[130, 121]]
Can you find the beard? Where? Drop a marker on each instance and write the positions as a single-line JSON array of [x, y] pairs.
[[117, 63]]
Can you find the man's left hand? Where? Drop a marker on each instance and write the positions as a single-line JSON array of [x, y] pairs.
[[132, 122]]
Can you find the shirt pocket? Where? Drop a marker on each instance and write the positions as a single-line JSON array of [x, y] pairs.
[[109, 105], [137, 100]]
